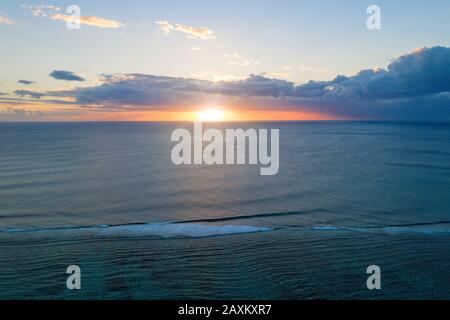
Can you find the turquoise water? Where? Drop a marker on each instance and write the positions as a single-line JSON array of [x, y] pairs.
[[106, 196]]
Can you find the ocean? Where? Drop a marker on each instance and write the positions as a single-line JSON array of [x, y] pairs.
[[107, 197]]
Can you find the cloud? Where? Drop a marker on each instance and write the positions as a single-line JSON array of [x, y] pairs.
[[25, 98], [312, 69], [278, 74], [236, 59], [196, 49], [65, 75], [255, 86], [137, 90], [416, 86], [4, 19], [165, 26], [42, 10], [54, 13], [26, 82], [201, 33], [423, 72], [15, 113], [27, 93], [93, 21], [216, 76], [143, 90], [195, 33], [9, 111]]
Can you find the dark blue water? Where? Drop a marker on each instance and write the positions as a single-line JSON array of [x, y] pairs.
[[106, 196]]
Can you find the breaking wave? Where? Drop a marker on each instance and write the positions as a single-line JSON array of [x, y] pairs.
[[164, 230]]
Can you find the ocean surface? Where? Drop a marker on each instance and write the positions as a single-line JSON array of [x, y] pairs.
[[106, 197]]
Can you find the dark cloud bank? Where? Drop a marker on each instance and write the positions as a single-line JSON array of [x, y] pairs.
[[415, 86]]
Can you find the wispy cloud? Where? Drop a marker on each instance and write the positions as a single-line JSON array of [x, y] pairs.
[[42, 10], [4, 19], [196, 49], [164, 26], [14, 113], [195, 33], [54, 13], [278, 74], [93, 21], [312, 69], [27, 93], [216, 76], [201, 33], [236, 59]]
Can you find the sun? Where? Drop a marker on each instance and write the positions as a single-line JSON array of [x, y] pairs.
[[211, 115]]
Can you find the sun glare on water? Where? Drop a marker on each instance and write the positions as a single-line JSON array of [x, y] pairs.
[[211, 115]]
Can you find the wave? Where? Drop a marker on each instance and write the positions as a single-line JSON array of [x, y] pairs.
[[429, 228], [254, 216], [163, 230], [200, 228]]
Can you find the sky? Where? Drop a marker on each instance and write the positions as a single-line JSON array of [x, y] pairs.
[[251, 60]]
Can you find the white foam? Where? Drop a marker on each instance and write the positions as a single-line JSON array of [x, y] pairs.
[[164, 230], [169, 230]]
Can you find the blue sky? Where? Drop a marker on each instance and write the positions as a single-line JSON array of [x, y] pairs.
[[294, 40]]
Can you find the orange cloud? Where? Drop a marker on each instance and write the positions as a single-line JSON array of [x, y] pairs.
[[5, 20], [165, 26], [90, 21], [195, 33], [191, 32]]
